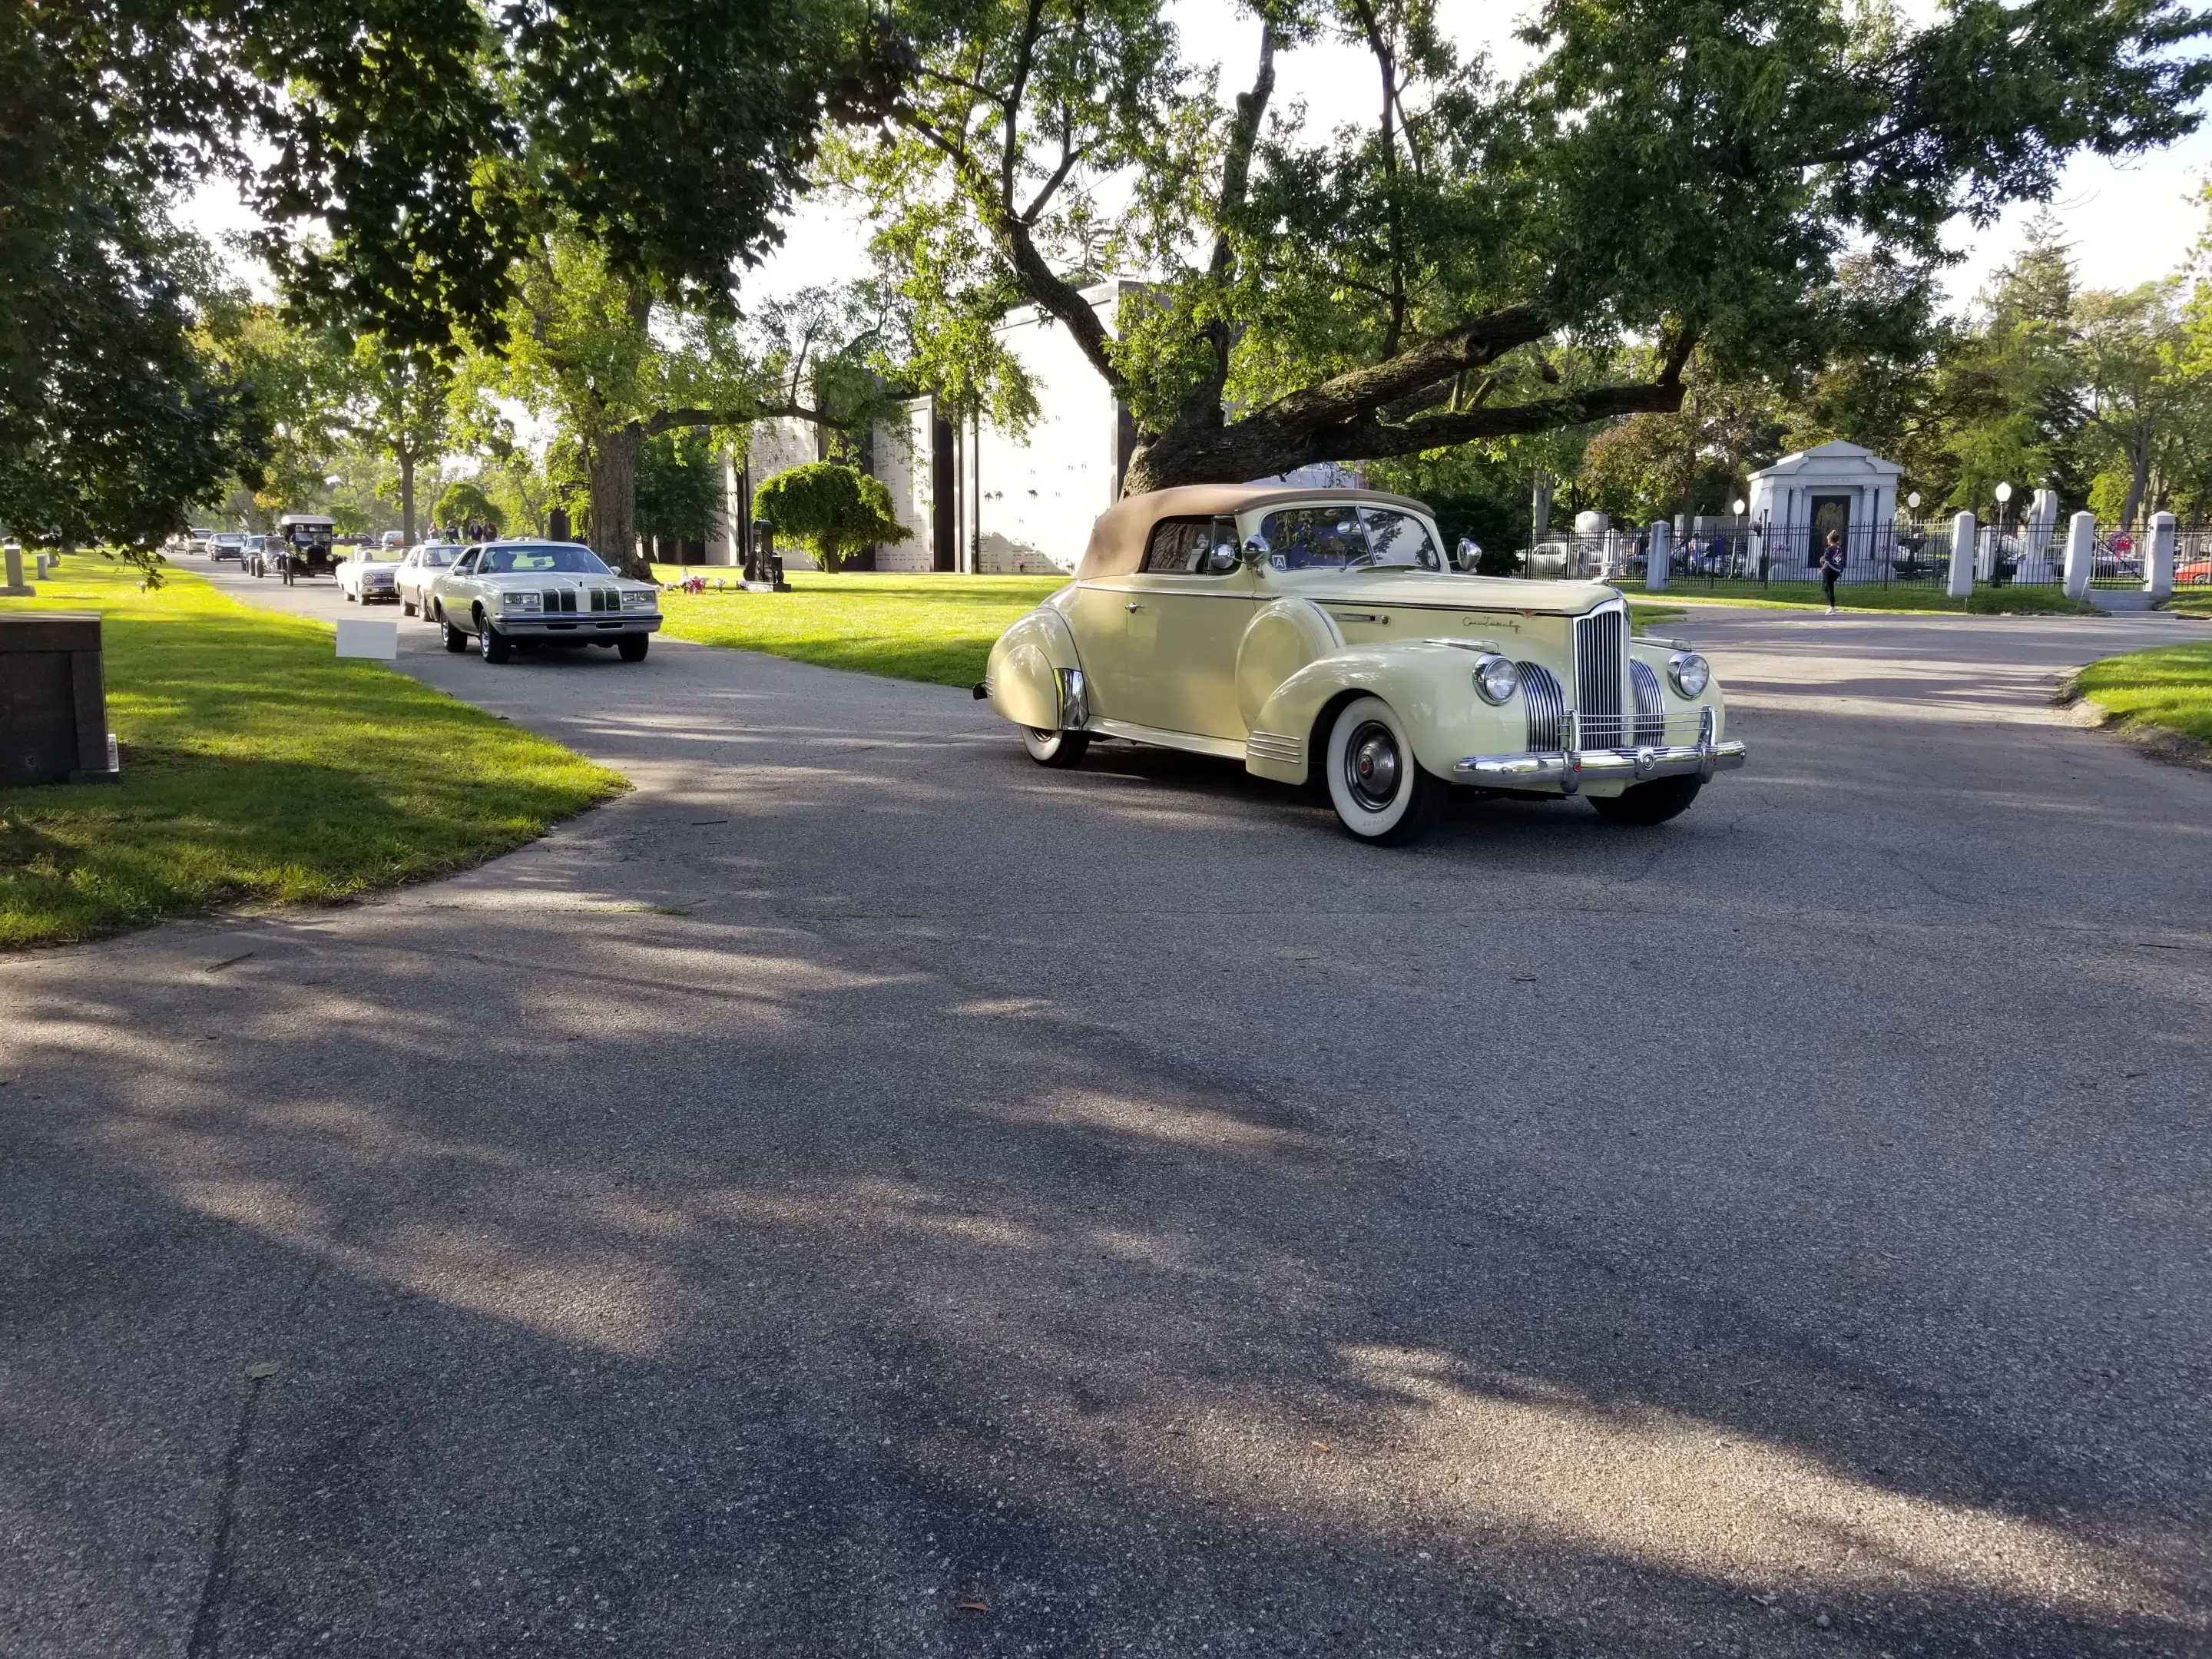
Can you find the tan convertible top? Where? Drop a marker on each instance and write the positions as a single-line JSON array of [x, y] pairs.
[[1117, 540]]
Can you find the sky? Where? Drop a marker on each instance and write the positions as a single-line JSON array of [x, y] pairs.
[[2128, 222]]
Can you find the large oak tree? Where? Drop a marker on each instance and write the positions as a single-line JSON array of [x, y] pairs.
[[1667, 177]]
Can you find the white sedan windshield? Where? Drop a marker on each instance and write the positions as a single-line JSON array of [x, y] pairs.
[[1347, 538], [562, 558]]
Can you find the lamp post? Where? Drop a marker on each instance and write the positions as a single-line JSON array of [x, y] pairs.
[[2004, 495]]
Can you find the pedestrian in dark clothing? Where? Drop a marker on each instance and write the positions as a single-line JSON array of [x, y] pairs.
[[1831, 567]]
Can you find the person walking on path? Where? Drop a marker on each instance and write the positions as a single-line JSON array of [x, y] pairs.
[[1831, 567]]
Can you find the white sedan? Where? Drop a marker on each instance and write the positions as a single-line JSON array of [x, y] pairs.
[[418, 570], [370, 577], [502, 594]]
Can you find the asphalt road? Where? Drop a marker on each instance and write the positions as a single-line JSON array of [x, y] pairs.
[[862, 1194]]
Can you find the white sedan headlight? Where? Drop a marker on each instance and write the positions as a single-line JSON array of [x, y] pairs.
[[520, 601], [1497, 679], [637, 598], [1690, 672]]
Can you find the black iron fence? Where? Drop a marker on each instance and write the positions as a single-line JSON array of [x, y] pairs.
[[1733, 554]]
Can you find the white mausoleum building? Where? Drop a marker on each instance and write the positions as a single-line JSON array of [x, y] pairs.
[[979, 499], [1836, 486]]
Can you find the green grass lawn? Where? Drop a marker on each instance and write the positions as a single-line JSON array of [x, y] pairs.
[[2170, 687], [258, 768], [924, 627], [1986, 601], [934, 627], [2190, 602]]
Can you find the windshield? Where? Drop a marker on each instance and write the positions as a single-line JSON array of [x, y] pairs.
[[563, 557], [440, 557], [1349, 538]]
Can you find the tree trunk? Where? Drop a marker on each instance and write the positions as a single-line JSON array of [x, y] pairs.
[[407, 496], [2138, 481], [613, 529]]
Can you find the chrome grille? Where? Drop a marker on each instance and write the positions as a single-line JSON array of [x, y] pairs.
[[1546, 702], [605, 599], [1601, 648], [1650, 706], [559, 599]]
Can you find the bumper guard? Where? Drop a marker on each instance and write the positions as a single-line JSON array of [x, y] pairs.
[[1567, 770]]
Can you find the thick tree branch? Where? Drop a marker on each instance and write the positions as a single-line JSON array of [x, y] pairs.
[[1202, 407], [1358, 390], [1286, 435], [668, 420]]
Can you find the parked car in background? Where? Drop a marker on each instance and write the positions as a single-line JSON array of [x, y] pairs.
[[393, 540], [531, 593], [2193, 572], [411, 580], [199, 540], [226, 544], [1319, 635]]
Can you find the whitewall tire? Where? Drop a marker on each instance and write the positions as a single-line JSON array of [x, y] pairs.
[[1380, 791], [1054, 748]]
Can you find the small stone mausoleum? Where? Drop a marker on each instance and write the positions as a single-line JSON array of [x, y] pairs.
[[1836, 486]]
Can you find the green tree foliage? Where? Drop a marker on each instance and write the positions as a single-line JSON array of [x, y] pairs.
[[1665, 177], [834, 511], [463, 501], [679, 488], [407, 156]]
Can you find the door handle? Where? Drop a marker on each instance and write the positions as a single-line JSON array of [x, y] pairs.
[[1134, 605]]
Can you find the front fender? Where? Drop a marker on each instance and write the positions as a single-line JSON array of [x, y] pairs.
[[1429, 685], [1024, 676]]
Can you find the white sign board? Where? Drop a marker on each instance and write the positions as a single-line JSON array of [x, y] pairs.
[[365, 638]]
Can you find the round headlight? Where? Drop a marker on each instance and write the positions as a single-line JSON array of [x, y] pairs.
[[1690, 672], [1497, 679]]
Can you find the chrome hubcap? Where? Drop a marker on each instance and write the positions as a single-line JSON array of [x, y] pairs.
[[1371, 766]]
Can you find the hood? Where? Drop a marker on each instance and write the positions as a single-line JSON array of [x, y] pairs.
[[1548, 598]]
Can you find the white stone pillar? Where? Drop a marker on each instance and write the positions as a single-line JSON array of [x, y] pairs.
[[17, 587], [1659, 556], [2158, 568], [2081, 555], [1962, 556]]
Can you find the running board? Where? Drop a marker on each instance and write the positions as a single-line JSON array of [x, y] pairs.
[[1226, 747]]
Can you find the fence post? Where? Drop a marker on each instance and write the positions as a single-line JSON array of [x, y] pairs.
[[2158, 568], [2081, 555], [1658, 556], [1962, 556]]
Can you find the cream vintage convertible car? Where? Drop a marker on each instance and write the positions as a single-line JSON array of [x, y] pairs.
[[1323, 634]]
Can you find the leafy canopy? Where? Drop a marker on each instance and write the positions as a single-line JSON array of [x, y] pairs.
[[1488, 257]]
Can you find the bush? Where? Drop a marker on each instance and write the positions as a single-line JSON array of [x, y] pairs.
[[832, 510]]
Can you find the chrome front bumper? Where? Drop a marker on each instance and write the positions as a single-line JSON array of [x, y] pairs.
[[533, 625], [1567, 770]]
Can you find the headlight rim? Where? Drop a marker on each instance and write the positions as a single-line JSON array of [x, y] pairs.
[[516, 599], [1489, 661], [1682, 667]]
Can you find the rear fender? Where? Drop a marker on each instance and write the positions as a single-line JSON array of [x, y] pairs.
[[1026, 664]]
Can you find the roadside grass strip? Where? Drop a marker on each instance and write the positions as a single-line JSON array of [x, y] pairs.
[[2170, 688], [260, 768], [1984, 601], [936, 628]]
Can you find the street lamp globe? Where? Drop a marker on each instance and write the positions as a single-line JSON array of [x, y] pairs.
[[2004, 494], [1913, 501], [1739, 507]]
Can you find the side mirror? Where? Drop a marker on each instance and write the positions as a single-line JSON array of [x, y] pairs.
[[1222, 560], [1256, 549], [1468, 553]]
